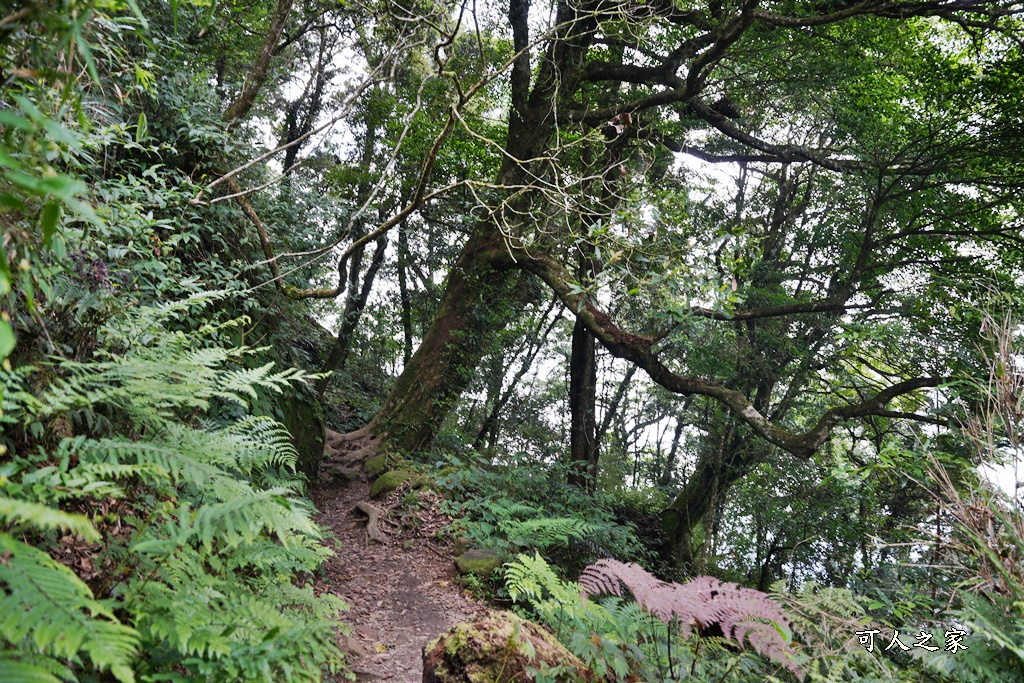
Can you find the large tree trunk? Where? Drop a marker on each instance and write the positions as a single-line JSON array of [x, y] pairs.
[[478, 298], [733, 458], [474, 309]]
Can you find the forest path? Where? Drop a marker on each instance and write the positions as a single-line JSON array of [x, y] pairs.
[[402, 593]]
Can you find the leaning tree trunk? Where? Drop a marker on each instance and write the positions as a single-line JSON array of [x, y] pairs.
[[478, 299], [474, 309], [736, 455]]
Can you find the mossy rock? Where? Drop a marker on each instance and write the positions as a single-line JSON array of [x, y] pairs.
[[376, 466], [499, 647], [388, 482], [303, 417], [421, 481], [478, 561]]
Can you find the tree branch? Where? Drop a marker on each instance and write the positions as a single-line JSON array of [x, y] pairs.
[[638, 349], [258, 71]]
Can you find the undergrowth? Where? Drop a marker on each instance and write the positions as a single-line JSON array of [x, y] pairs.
[[142, 539], [524, 505]]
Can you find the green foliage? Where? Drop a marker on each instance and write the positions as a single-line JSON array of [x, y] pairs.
[[197, 536], [523, 505], [986, 551], [543, 533], [47, 611], [825, 621], [613, 637]]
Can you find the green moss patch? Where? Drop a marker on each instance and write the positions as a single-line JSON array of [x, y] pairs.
[[388, 482]]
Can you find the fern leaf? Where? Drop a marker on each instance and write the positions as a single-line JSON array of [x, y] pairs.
[[15, 671], [44, 517], [47, 606], [741, 614], [545, 532]]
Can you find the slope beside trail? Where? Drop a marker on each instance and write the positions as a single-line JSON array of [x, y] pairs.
[[402, 593]]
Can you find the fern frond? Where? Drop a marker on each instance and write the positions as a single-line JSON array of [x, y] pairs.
[[742, 614], [531, 578], [243, 520], [47, 606], [45, 517], [259, 442], [178, 466], [21, 671], [545, 532]]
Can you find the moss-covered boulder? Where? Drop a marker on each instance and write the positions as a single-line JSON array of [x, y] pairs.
[[388, 482], [420, 481], [376, 466], [303, 417], [498, 648], [478, 561]]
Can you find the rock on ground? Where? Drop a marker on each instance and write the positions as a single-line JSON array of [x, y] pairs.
[[499, 648], [478, 561]]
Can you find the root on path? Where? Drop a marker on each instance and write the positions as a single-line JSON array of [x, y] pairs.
[[373, 531]]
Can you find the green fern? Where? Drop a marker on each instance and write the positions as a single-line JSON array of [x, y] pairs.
[[532, 579], [18, 512], [47, 610], [212, 531], [616, 640], [545, 532]]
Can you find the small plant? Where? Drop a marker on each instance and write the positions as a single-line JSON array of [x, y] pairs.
[[527, 506]]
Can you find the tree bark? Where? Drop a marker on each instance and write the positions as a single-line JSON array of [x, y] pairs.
[[257, 74], [583, 443], [403, 292], [583, 450], [463, 328]]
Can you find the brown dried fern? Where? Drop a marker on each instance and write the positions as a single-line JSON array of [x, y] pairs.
[[712, 606]]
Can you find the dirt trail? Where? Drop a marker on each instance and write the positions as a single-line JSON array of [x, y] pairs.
[[403, 592]]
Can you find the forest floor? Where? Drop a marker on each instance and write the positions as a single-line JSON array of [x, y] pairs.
[[402, 593]]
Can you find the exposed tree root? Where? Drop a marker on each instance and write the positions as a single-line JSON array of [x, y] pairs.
[[357, 435], [352, 448], [366, 451], [373, 531], [333, 439]]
